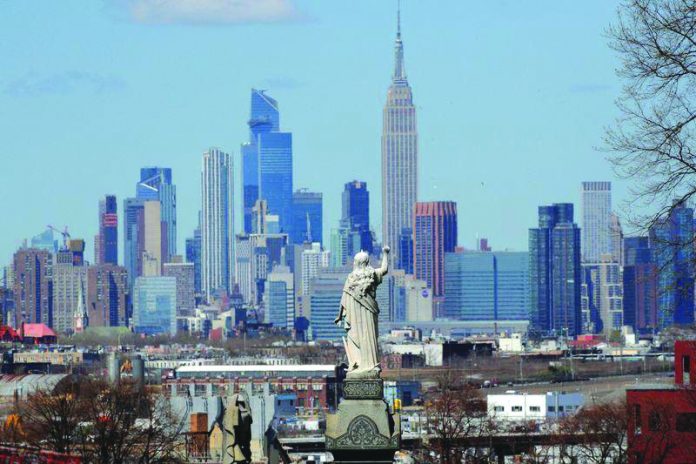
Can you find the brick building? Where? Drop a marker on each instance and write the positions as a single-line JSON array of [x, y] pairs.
[[662, 418]]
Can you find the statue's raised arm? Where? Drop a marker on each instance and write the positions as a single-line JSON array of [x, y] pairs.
[[384, 268]]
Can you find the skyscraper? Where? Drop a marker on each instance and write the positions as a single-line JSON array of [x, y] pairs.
[[602, 296], [33, 288], [133, 241], [45, 241], [267, 162], [217, 222], [107, 295], [154, 305], [307, 217], [555, 271], [156, 184], [399, 153], [106, 242], [154, 238], [69, 281], [264, 117], [435, 231], [193, 255], [184, 275], [639, 284], [280, 297], [672, 244], [596, 221], [355, 213], [487, 286], [275, 175]]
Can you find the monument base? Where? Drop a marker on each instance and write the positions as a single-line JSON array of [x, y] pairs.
[[363, 429]]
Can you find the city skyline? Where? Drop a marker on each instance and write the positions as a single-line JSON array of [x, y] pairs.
[[218, 127]]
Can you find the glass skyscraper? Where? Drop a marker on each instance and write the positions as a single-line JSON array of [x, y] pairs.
[[307, 217], [193, 255], [267, 162], [355, 213], [639, 284], [596, 221], [672, 243], [156, 184], [275, 175], [487, 286], [555, 271], [399, 154], [154, 305], [106, 243], [325, 292]]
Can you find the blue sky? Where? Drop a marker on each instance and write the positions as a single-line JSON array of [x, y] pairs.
[[512, 99]]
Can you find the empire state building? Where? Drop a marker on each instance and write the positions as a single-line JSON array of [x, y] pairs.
[[399, 154]]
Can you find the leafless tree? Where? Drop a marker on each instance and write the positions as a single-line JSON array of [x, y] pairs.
[[456, 416], [603, 433], [105, 423], [653, 141], [52, 419]]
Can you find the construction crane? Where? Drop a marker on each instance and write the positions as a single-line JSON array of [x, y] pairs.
[[64, 233]]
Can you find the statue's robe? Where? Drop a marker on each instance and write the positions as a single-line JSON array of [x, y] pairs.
[[360, 315]]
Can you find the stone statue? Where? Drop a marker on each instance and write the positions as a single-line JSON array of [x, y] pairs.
[[236, 424], [359, 314]]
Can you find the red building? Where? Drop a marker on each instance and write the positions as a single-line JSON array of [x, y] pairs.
[[662, 418], [37, 334], [435, 233], [9, 335]]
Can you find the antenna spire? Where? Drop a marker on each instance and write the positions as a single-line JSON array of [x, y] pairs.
[[399, 71], [398, 18]]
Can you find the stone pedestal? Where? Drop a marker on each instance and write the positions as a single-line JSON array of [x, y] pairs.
[[363, 430]]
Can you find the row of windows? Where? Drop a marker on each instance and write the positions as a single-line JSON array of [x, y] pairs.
[[518, 408]]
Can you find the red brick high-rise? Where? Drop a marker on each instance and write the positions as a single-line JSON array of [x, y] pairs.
[[33, 287], [107, 294], [435, 233]]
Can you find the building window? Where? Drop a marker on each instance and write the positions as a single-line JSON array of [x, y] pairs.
[[499, 408], [552, 408], [182, 390], [199, 390], [560, 409], [517, 409], [686, 422], [637, 420], [534, 409], [686, 364], [657, 423]]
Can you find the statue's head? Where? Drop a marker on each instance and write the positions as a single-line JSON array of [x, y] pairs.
[[361, 260]]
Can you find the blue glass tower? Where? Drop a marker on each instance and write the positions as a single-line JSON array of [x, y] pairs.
[[193, 255], [267, 162], [156, 184], [355, 212], [275, 175], [639, 284], [487, 286], [307, 217], [555, 271], [672, 243]]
